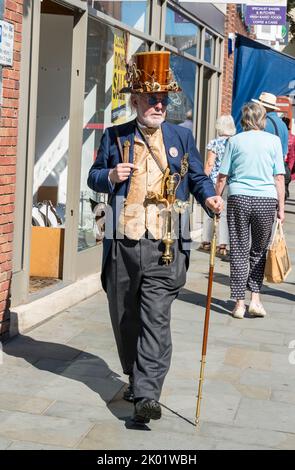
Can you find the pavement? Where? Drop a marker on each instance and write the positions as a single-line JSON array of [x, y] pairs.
[[61, 384]]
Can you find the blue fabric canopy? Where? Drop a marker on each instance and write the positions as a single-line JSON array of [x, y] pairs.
[[259, 68]]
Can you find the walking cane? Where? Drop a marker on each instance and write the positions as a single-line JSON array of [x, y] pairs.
[[207, 317]]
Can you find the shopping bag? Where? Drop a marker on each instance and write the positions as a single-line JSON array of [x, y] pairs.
[[278, 264]]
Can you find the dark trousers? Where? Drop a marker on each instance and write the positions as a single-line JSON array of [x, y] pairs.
[[140, 292], [245, 215]]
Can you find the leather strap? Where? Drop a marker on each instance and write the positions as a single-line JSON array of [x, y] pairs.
[[274, 125], [119, 143]]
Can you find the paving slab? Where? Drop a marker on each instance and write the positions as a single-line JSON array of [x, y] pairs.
[[245, 358], [26, 403], [23, 445], [42, 429], [277, 381], [284, 396], [87, 390], [81, 411], [112, 437], [244, 435], [264, 414], [4, 443], [263, 336], [230, 445]]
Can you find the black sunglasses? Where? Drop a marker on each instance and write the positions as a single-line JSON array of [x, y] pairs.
[[153, 100]]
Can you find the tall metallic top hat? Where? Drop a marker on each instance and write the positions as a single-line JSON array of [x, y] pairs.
[[149, 72]]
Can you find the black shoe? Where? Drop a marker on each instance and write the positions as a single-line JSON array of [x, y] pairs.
[[146, 409], [128, 395]]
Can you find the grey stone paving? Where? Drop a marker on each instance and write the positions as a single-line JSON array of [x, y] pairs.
[[61, 384]]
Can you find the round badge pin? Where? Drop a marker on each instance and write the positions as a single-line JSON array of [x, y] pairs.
[[173, 152]]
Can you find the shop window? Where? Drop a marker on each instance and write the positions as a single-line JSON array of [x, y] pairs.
[[108, 49], [181, 33], [131, 12], [181, 107]]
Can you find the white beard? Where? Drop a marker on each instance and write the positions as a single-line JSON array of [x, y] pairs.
[[151, 122]]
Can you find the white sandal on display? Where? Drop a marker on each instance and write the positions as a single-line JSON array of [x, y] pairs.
[[239, 312], [256, 310]]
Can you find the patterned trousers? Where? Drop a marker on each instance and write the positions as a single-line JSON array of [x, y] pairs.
[[248, 216]]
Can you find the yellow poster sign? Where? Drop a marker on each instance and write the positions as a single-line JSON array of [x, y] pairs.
[[118, 99]]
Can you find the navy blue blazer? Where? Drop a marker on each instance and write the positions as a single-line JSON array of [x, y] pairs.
[[108, 156]]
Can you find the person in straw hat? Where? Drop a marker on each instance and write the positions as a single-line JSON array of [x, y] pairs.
[[132, 165], [274, 124]]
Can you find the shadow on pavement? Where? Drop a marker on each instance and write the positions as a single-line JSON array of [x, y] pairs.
[[217, 305], [266, 290], [68, 362]]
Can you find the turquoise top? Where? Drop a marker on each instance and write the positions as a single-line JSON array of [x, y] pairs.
[[251, 160]]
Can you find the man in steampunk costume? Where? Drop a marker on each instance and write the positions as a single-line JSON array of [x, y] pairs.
[[148, 167]]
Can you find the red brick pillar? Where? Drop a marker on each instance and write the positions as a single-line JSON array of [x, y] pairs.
[[13, 11], [233, 24]]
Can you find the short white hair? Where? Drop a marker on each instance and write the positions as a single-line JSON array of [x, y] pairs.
[[225, 125]]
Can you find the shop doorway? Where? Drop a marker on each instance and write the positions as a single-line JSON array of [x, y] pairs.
[[51, 146]]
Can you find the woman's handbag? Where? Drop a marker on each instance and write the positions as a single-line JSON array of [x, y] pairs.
[[278, 264]]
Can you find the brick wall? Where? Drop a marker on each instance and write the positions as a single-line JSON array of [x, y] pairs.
[[233, 24], [8, 140]]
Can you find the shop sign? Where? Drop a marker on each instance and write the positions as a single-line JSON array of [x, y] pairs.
[[6, 43], [258, 12], [266, 15], [118, 99]]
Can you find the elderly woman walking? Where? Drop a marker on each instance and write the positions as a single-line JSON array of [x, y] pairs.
[[254, 166], [225, 128]]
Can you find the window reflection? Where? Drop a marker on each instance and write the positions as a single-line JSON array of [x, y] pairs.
[[131, 12], [181, 33], [181, 109], [209, 48]]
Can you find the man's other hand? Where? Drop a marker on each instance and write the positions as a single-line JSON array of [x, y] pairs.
[[215, 203]]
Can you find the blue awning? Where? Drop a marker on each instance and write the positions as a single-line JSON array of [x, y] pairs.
[[259, 68]]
